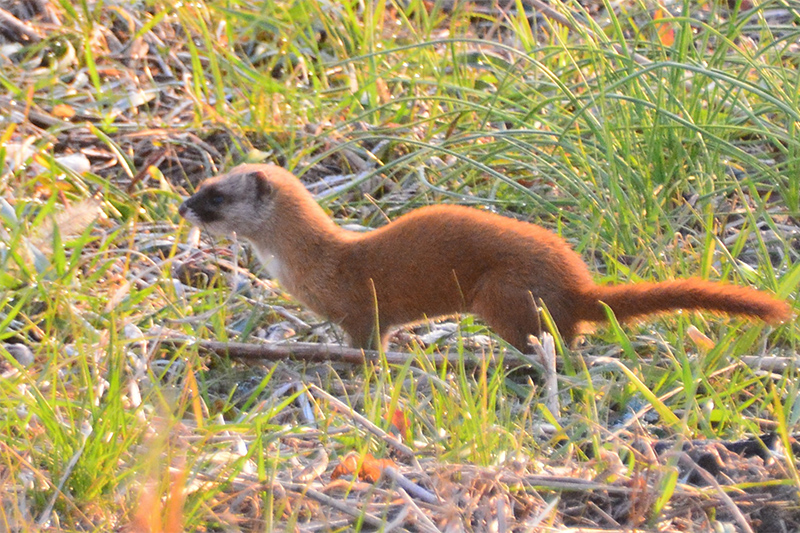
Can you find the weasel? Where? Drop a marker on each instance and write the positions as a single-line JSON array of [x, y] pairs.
[[434, 261]]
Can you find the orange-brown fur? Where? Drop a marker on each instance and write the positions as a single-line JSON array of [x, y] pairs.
[[435, 261]]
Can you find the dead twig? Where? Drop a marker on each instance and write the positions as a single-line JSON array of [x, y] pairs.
[[16, 30]]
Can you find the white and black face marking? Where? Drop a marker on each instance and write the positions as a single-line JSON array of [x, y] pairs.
[[233, 202]]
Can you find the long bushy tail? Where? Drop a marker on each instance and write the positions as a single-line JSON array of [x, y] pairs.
[[637, 299]]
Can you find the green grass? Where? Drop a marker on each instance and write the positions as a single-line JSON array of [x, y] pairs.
[[655, 160]]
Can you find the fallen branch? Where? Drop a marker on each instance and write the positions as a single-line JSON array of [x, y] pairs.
[[314, 352]]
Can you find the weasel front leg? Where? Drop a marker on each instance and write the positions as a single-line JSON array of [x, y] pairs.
[[361, 330]]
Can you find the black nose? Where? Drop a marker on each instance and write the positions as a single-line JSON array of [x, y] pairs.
[[182, 210]]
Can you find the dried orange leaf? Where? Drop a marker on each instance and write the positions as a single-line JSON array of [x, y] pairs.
[[370, 470], [63, 111], [665, 32], [399, 423], [348, 466]]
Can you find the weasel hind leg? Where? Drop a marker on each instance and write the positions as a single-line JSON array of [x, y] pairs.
[[512, 313]]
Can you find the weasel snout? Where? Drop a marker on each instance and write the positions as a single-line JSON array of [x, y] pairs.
[[187, 212]]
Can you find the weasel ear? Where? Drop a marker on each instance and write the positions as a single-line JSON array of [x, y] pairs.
[[263, 186]]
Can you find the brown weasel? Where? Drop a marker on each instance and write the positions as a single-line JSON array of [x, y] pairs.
[[435, 261]]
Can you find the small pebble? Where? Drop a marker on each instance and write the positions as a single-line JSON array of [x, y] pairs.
[[21, 353]]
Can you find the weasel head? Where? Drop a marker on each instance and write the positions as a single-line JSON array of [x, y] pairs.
[[240, 201]]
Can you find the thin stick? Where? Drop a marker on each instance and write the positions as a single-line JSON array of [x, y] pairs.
[[410, 487], [338, 504], [425, 522], [16, 30], [727, 500], [366, 424], [313, 352]]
